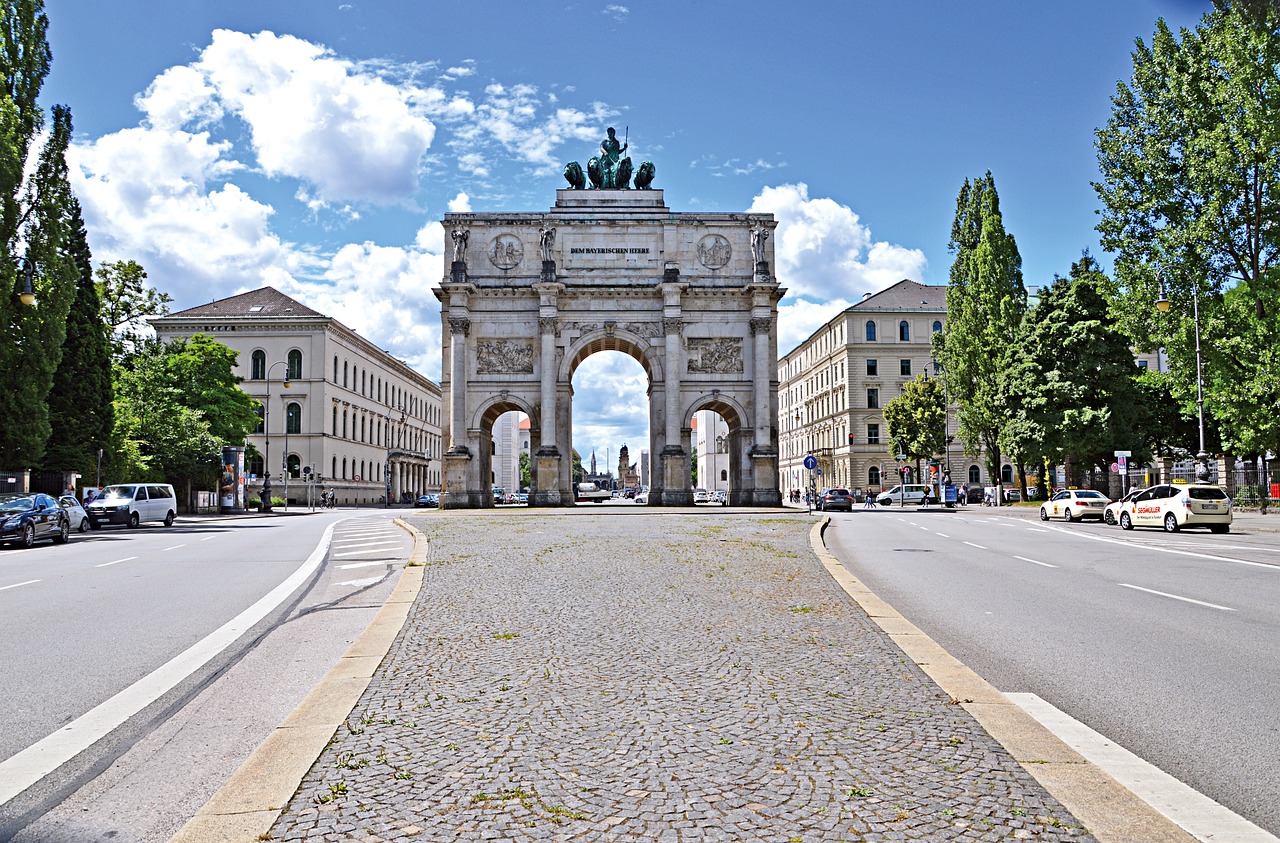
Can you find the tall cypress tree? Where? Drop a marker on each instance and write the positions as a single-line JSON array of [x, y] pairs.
[[80, 410], [985, 303]]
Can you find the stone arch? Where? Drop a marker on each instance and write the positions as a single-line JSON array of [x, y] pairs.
[[625, 342], [739, 437], [482, 421]]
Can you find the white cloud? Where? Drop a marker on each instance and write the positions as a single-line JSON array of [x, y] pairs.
[[799, 318], [823, 252], [618, 13], [610, 408], [460, 204]]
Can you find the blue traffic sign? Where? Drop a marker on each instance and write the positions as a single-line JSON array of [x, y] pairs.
[[810, 462]]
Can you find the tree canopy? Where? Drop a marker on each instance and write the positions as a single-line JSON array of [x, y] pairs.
[[1190, 188], [916, 420], [127, 301]]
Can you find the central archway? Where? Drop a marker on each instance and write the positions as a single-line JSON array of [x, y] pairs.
[[688, 297]]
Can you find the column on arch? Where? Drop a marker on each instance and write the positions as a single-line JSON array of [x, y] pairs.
[[459, 330], [760, 378]]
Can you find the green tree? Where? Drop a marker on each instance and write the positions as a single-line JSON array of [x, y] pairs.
[[916, 419], [127, 301], [203, 372], [985, 302], [526, 470], [80, 401], [1190, 188]]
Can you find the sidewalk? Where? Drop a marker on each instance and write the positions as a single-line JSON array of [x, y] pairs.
[[661, 677]]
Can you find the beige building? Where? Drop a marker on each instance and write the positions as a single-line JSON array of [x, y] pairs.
[[353, 419], [834, 385]]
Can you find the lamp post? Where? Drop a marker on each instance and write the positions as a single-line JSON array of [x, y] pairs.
[[28, 294], [1162, 304], [387, 466], [266, 430], [940, 371]]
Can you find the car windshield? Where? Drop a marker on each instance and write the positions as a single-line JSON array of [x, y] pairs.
[[1089, 494], [118, 493], [16, 504], [1207, 493], [841, 492]]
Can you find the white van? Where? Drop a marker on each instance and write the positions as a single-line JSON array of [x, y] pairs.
[[133, 503], [909, 494]]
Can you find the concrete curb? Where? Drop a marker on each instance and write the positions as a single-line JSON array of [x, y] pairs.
[[1111, 812], [245, 808]]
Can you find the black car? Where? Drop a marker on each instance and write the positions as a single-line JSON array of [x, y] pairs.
[[831, 499], [428, 501], [25, 519]]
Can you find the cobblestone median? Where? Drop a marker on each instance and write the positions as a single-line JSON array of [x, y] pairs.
[[654, 677]]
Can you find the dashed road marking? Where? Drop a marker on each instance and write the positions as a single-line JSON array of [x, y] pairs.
[[1034, 562], [116, 562], [17, 584], [978, 546], [1176, 597]]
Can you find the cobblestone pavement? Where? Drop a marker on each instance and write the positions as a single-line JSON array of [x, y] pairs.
[[654, 677]]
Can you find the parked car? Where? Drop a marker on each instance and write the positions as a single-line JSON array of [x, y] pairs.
[[522, 498], [721, 497], [835, 498], [26, 519], [79, 518], [428, 500], [133, 503], [642, 496], [1075, 505], [908, 494], [1176, 506], [701, 496], [1111, 515]]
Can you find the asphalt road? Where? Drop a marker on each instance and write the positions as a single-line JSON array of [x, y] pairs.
[[1169, 645], [81, 623]]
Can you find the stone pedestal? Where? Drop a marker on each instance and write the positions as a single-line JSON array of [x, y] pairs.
[[675, 477], [764, 468], [546, 486], [457, 463]]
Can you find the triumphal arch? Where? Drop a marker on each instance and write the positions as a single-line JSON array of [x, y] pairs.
[[689, 296]]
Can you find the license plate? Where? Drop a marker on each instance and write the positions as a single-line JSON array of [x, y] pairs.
[[1205, 507]]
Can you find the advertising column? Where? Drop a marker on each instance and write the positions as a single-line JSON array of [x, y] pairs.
[[231, 487]]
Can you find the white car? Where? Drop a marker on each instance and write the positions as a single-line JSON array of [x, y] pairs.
[[1111, 515], [642, 496], [911, 493], [1179, 505], [79, 518], [701, 496], [721, 497], [1075, 505]]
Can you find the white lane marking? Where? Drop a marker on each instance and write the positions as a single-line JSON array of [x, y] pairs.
[[345, 545], [175, 547], [355, 553], [207, 538], [116, 562], [944, 535], [1034, 562], [1158, 549], [358, 583], [1199, 815], [21, 771], [1037, 529], [1176, 597], [978, 546], [359, 565], [17, 584]]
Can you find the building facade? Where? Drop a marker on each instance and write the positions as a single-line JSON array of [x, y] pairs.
[[352, 419], [834, 385]]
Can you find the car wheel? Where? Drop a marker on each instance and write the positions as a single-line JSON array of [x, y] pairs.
[[1125, 522], [84, 525], [1044, 514], [1108, 518], [1171, 523], [133, 520], [168, 518], [1219, 528], [1067, 516], [64, 532], [29, 535]]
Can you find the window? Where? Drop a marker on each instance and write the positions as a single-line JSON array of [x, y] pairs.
[[1142, 364], [344, 468], [904, 368], [335, 369], [253, 465], [262, 427], [904, 331], [873, 476], [333, 472], [873, 434], [259, 370], [871, 331], [975, 475], [1006, 474], [344, 383], [295, 466], [335, 421], [937, 326], [295, 365], [873, 399], [293, 418], [872, 368]]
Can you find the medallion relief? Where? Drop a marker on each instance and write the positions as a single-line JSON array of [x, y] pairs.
[[506, 251], [714, 251]]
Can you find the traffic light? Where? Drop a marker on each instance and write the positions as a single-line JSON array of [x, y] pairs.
[[851, 439]]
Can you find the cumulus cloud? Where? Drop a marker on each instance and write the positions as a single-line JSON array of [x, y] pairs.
[[610, 408], [460, 204], [824, 252]]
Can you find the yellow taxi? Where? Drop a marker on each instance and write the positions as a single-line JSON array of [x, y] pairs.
[[1179, 505], [1074, 505]]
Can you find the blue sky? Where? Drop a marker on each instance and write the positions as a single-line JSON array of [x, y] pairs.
[[314, 146]]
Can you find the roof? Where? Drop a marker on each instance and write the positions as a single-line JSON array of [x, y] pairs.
[[906, 295], [262, 303]]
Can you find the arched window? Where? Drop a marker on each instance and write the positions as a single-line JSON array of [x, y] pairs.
[[937, 326], [344, 375], [260, 410], [293, 418], [904, 331], [1006, 475], [259, 368], [344, 468], [335, 421], [295, 365], [333, 472], [253, 465], [295, 466], [871, 331], [975, 475], [344, 431], [364, 386], [873, 476], [335, 369]]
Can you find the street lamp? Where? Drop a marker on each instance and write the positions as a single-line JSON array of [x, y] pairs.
[[386, 470], [266, 430], [940, 371], [1162, 304], [28, 294]]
